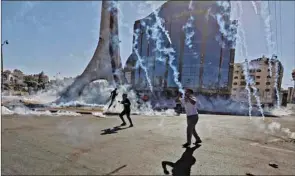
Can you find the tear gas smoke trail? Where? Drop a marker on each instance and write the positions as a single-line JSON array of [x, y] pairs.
[[139, 59], [258, 103], [223, 5], [267, 30], [243, 51], [246, 68], [186, 28], [169, 51], [276, 83], [160, 25], [265, 14], [255, 7], [188, 34], [225, 31], [135, 34]]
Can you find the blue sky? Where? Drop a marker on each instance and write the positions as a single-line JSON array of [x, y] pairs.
[[60, 36]]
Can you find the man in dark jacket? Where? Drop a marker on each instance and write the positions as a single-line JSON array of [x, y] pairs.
[[126, 103]]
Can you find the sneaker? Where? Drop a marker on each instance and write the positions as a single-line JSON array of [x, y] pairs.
[[131, 125], [123, 124], [166, 172], [186, 145], [198, 141]]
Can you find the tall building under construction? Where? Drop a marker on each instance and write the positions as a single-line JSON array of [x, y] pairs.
[[206, 66]]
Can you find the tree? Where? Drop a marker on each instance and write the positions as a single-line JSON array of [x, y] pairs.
[[41, 80], [30, 81]]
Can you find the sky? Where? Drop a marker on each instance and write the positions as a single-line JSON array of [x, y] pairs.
[[61, 36]]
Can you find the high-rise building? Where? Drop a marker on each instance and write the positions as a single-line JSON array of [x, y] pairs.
[[263, 81], [206, 66]]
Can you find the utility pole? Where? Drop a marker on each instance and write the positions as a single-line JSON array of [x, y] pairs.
[[293, 92], [5, 42]]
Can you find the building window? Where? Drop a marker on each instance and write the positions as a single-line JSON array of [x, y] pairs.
[[243, 83], [234, 89], [235, 83], [268, 76], [251, 90], [258, 77], [266, 90], [236, 71], [267, 83], [257, 83], [242, 77], [258, 70], [236, 77]]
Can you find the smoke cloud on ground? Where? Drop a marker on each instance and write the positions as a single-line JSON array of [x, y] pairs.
[[97, 94], [271, 127], [22, 110]]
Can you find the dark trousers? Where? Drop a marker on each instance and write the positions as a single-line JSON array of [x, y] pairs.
[[127, 113], [191, 127], [178, 108], [112, 101]]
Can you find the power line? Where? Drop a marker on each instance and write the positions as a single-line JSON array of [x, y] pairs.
[[294, 33], [270, 24], [277, 50], [281, 36]]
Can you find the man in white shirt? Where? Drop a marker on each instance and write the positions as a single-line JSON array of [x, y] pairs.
[[189, 102]]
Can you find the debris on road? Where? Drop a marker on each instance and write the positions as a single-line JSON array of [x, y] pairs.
[[273, 165]]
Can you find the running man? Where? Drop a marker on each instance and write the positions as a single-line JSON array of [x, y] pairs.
[[126, 103], [113, 96], [189, 102]]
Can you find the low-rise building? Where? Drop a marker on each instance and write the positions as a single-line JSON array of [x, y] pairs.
[[262, 78], [291, 95], [16, 80]]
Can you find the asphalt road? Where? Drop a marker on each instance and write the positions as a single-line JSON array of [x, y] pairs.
[[232, 145]]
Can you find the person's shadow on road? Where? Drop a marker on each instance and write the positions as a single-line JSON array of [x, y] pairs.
[[182, 167], [113, 130]]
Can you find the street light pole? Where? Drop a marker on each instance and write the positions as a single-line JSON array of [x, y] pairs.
[[293, 77], [5, 42]]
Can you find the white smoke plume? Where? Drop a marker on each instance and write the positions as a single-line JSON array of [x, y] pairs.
[[157, 30], [188, 27], [241, 38], [271, 45], [51, 92], [274, 128], [276, 83], [140, 60], [23, 110]]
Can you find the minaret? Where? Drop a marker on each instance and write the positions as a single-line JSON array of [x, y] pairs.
[[106, 62]]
